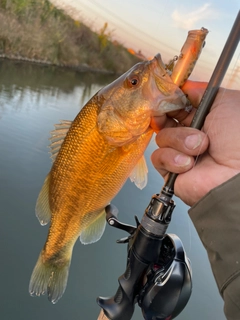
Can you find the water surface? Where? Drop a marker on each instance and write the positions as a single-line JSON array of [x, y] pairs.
[[32, 99]]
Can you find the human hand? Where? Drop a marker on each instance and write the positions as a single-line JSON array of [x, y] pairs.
[[218, 144]]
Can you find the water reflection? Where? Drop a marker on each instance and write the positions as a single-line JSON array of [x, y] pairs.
[[32, 99], [20, 80]]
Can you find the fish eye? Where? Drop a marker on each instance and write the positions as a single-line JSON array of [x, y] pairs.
[[133, 81]]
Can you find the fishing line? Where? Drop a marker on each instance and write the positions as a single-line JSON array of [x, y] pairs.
[[189, 234], [150, 248], [233, 71], [140, 32]]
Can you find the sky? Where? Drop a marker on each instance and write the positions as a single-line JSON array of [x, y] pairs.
[[153, 26]]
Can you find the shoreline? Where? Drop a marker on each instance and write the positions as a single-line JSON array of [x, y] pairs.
[[81, 68]]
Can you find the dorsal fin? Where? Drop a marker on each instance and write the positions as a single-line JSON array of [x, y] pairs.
[[57, 137], [139, 174]]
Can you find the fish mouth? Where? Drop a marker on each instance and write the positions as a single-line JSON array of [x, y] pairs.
[[158, 58], [169, 96], [161, 77], [158, 64]]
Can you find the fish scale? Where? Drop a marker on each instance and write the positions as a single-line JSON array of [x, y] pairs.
[[103, 146]]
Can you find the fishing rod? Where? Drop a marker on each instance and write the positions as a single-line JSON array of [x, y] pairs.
[[158, 274]]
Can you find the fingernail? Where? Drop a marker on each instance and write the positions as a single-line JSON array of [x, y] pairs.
[[182, 160], [193, 141]]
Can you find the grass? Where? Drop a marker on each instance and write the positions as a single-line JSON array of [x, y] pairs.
[[36, 30]]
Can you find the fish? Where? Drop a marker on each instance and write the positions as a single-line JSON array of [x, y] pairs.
[[93, 156]]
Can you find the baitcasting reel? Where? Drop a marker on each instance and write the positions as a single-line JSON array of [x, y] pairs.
[[168, 282], [164, 286]]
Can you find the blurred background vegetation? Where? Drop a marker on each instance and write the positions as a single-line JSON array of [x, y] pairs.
[[37, 31]]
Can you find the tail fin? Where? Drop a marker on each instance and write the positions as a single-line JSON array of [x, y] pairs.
[[49, 278]]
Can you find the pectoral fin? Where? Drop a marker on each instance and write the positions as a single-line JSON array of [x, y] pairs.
[[95, 230], [42, 209], [139, 174]]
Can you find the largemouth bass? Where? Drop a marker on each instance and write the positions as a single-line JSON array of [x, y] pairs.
[[93, 157]]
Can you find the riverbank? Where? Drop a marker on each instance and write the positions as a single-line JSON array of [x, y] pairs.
[[79, 67], [37, 31]]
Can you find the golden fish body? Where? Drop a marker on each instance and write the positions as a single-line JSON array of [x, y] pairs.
[[103, 146]]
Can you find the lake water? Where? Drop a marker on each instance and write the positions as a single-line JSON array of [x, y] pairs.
[[32, 99]]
